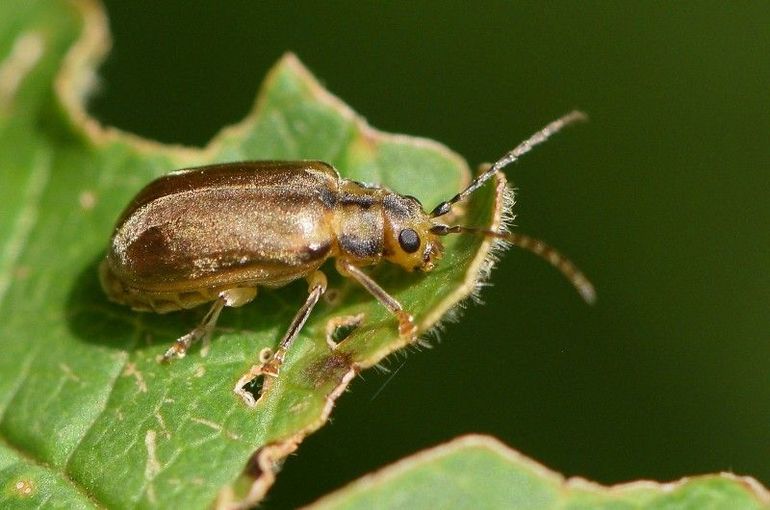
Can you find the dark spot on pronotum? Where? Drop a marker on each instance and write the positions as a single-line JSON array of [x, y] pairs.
[[362, 201], [399, 206], [337, 361], [359, 246]]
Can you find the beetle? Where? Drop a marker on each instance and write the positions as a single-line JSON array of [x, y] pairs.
[[217, 233]]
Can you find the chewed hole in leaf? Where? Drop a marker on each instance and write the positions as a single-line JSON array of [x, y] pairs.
[[253, 390], [252, 385], [340, 328]]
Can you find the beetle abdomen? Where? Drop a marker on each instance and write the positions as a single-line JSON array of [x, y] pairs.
[[221, 227]]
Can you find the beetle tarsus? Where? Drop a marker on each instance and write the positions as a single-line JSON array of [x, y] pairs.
[[203, 330], [178, 349], [272, 368], [407, 328], [180, 346]]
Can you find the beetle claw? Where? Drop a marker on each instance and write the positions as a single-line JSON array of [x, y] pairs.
[[179, 348]]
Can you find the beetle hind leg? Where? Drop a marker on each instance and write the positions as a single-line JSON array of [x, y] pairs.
[[231, 297]]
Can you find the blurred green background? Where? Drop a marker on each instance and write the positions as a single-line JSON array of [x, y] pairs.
[[663, 199]]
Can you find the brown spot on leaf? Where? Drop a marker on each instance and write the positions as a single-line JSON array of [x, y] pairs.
[[253, 469], [87, 200], [329, 369]]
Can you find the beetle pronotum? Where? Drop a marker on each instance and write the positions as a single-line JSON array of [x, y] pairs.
[[218, 232]]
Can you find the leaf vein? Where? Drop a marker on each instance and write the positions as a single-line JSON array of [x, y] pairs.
[[30, 458], [26, 219], [23, 375]]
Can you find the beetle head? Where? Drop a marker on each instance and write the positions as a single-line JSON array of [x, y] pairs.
[[409, 241]]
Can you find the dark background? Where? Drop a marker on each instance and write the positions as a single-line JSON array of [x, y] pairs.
[[662, 199]]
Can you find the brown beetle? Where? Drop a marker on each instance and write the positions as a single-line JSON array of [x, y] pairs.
[[218, 232]]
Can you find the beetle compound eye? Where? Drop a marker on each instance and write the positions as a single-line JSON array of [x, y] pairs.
[[409, 240]]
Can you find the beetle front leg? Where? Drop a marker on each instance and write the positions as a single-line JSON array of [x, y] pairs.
[[406, 326], [272, 366]]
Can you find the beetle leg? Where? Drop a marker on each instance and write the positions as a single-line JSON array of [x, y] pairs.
[[231, 297], [180, 346], [272, 366], [317, 286], [406, 326]]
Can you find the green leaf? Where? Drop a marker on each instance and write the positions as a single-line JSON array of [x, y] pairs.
[[88, 418], [480, 472]]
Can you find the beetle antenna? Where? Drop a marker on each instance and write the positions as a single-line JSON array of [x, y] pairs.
[[523, 148], [536, 246]]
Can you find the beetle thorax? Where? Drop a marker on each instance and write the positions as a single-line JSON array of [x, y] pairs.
[[373, 223], [359, 223]]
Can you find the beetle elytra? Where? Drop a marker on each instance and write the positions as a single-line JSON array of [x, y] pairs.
[[216, 233]]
